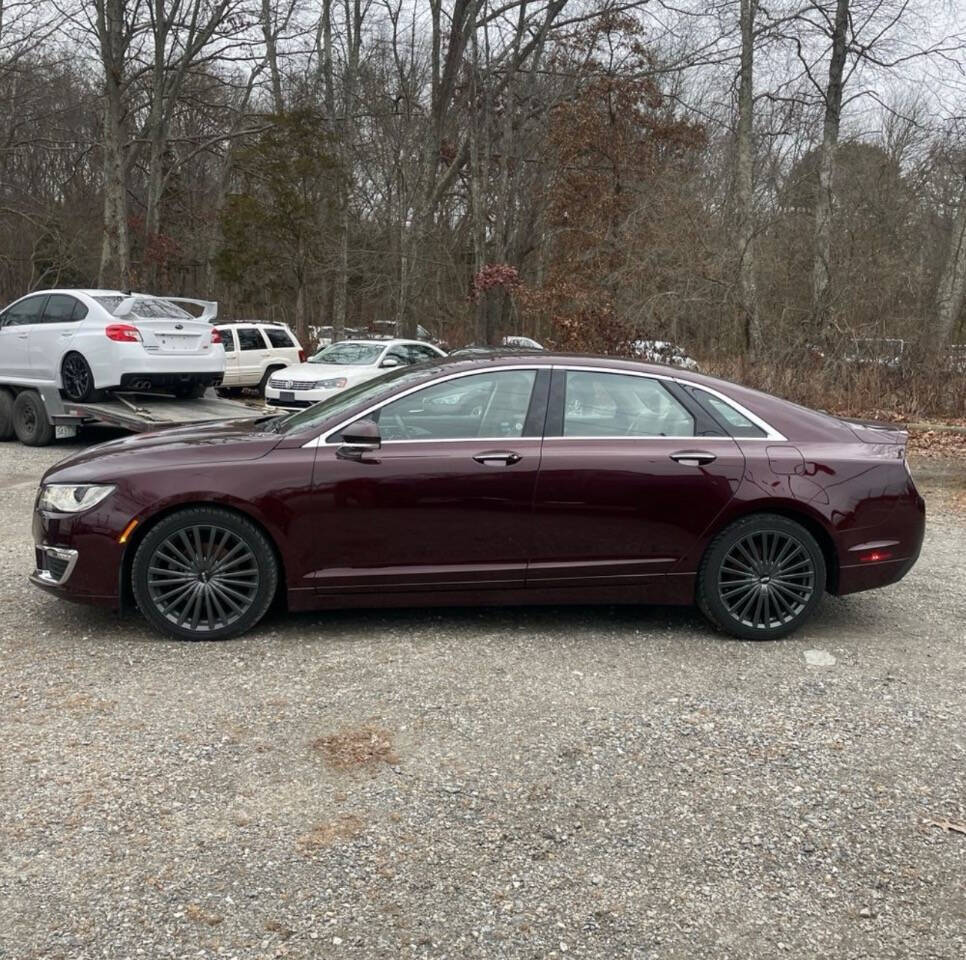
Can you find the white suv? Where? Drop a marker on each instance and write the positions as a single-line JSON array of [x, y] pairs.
[[86, 341], [254, 351]]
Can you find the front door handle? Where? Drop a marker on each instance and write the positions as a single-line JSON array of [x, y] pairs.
[[22, 336], [494, 458], [693, 458]]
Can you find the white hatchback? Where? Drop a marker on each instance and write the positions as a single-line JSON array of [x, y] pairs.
[[342, 365], [86, 341]]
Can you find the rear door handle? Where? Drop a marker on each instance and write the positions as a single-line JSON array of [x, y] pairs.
[[693, 458], [497, 457]]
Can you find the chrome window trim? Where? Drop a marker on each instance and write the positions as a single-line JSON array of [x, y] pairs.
[[323, 438], [771, 434]]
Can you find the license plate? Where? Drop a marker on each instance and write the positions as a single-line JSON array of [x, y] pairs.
[[286, 395], [63, 432]]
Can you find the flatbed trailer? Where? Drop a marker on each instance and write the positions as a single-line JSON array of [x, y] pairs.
[[135, 411]]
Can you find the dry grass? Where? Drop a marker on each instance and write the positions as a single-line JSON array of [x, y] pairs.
[[202, 916], [344, 827], [360, 748]]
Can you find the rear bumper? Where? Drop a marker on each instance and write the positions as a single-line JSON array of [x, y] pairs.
[[903, 536], [168, 380], [130, 361]]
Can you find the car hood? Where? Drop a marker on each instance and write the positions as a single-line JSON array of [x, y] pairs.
[[240, 440], [324, 371]]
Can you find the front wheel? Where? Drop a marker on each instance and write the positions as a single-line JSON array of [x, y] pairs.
[[761, 578], [204, 574]]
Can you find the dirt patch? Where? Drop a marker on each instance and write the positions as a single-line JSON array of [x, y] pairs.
[[357, 749]]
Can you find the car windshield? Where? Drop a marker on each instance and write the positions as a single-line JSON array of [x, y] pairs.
[[368, 391], [349, 354], [146, 308]]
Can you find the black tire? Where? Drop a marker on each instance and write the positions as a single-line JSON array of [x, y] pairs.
[[266, 376], [6, 415], [30, 421], [190, 391], [761, 578], [175, 575], [77, 379]]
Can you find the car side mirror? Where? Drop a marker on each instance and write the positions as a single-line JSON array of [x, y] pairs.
[[358, 439], [391, 362]]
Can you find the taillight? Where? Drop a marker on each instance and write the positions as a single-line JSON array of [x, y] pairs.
[[301, 355], [215, 335], [123, 333]]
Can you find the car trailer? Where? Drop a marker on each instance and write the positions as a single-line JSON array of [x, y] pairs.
[[56, 418]]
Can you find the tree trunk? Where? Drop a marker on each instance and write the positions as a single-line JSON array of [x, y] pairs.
[[115, 268], [744, 177], [952, 282], [821, 267]]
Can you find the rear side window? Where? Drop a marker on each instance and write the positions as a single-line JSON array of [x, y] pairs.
[[278, 337], [619, 405], [27, 311], [737, 423], [250, 338], [62, 308]]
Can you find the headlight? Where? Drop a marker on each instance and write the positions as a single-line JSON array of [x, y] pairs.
[[335, 384], [72, 498]]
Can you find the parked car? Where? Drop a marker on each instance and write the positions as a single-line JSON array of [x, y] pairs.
[[341, 365], [254, 351], [525, 343], [662, 351], [88, 341], [537, 478]]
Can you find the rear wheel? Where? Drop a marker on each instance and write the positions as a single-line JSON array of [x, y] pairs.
[[189, 391], [6, 415], [761, 578], [266, 376], [77, 378], [30, 421], [204, 574]]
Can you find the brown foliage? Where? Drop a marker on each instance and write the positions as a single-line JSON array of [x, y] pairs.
[[363, 747]]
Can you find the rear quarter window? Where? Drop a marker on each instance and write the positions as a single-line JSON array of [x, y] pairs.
[[737, 423], [279, 338]]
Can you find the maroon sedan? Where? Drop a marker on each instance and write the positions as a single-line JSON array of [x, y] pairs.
[[527, 478]]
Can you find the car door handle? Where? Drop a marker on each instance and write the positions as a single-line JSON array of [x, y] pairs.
[[693, 458], [505, 457], [22, 336]]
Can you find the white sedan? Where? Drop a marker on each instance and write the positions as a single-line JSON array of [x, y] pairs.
[[85, 341], [341, 365]]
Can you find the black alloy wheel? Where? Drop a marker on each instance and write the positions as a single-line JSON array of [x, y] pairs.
[[77, 378], [204, 573], [761, 578]]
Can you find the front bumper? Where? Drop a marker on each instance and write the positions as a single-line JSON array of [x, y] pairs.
[[296, 399], [78, 557]]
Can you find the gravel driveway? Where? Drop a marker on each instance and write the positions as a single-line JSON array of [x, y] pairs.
[[589, 782]]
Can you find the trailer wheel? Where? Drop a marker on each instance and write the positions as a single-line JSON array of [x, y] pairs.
[[30, 421], [6, 415]]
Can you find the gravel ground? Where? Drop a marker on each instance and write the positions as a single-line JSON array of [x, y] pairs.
[[587, 782]]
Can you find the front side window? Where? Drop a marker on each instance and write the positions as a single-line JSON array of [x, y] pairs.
[[25, 312], [619, 405], [279, 337], [227, 338], [349, 354], [486, 405], [419, 353], [61, 308], [250, 338]]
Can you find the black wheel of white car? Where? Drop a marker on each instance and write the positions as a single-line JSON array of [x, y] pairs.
[[30, 421], [204, 574], [761, 578], [6, 415], [266, 376], [77, 378]]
